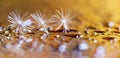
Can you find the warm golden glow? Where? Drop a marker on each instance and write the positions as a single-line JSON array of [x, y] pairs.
[[98, 25], [97, 10]]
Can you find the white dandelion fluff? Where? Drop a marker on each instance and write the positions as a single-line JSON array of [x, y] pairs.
[[40, 18], [63, 19], [19, 21]]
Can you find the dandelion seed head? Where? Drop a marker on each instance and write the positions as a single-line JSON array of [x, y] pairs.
[[63, 19], [18, 21], [41, 20]]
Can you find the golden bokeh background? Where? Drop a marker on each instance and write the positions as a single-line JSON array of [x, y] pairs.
[[96, 11], [89, 12]]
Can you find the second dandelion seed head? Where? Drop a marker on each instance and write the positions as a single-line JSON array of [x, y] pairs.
[[63, 20]]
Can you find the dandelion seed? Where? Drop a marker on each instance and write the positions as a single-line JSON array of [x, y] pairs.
[[41, 20], [63, 19], [19, 21]]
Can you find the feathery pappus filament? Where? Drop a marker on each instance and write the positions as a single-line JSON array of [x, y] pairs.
[[20, 22], [63, 19], [41, 20]]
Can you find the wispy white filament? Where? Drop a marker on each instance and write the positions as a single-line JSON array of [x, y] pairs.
[[40, 18], [19, 21], [63, 19]]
